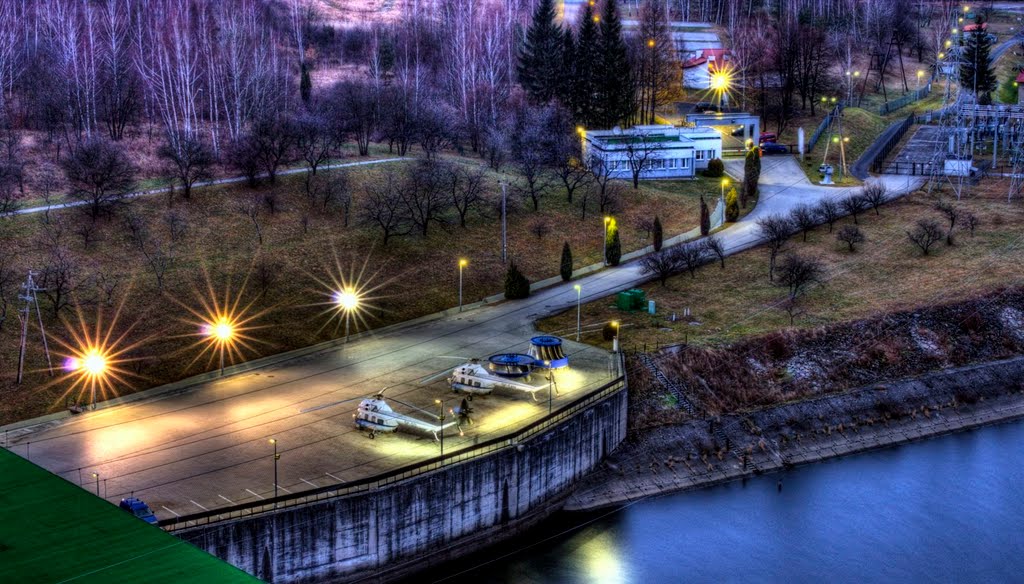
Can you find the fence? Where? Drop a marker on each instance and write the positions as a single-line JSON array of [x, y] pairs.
[[403, 473], [823, 126], [878, 157], [916, 95]]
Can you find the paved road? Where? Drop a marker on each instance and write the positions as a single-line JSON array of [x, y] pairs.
[[208, 183], [207, 447]]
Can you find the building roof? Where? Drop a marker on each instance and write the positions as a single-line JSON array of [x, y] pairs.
[[53, 531], [664, 135], [974, 26], [1020, 77], [716, 55]]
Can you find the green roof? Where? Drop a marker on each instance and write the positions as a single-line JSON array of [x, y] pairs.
[[54, 531]]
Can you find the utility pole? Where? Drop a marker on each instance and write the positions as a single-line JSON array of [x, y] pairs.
[[504, 224], [30, 296]]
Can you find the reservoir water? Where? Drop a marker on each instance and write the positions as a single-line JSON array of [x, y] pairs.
[[949, 509]]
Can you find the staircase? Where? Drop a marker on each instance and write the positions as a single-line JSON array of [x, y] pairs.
[[681, 400]]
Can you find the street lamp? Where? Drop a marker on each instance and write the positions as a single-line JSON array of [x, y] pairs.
[[604, 252], [725, 183], [579, 291], [551, 383], [616, 344], [222, 332], [347, 300], [920, 74], [97, 477], [276, 458], [440, 417], [462, 264]]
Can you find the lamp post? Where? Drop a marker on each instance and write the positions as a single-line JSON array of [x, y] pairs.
[[725, 183], [440, 417], [604, 249], [504, 223], [551, 381], [222, 332], [462, 264], [97, 477], [920, 74], [616, 343], [347, 300], [276, 458], [579, 292]]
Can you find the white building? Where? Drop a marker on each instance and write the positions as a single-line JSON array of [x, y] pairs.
[[658, 151], [697, 71]]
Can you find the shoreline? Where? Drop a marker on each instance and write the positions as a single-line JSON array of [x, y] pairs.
[[638, 470]]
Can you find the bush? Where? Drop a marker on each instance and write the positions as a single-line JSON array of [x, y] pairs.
[[732, 206], [608, 331], [705, 217], [516, 284], [657, 234], [614, 253], [565, 269], [715, 169]]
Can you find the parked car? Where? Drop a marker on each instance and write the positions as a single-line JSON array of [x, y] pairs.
[[705, 107], [739, 130], [773, 148], [767, 137], [138, 508]]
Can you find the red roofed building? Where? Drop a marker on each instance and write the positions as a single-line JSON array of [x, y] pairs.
[[698, 70], [1020, 88], [974, 27]]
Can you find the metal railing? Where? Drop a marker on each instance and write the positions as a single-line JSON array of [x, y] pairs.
[[402, 473], [916, 95], [878, 157], [823, 126]]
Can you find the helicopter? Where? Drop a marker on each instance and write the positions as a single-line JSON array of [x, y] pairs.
[[473, 378], [375, 415]]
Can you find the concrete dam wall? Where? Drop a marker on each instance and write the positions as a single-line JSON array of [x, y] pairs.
[[381, 534]]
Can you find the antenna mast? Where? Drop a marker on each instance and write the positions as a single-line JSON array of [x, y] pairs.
[[30, 296]]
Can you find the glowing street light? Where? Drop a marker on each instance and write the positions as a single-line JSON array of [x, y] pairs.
[[277, 457], [579, 292], [347, 301], [222, 333], [920, 74], [97, 477], [615, 340], [462, 264], [91, 366], [721, 82], [725, 183]]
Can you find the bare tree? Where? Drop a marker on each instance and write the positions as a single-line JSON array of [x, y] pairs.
[[854, 205], [713, 246], [689, 257], [874, 194], [314, 141], [59, 278], [660, 264], [797, 274], [465, 187], [925, 234], [569, 165], [804, 219], [424, 194], [642, 151], [775, 230], [952, 214], [332, 190], [384, 207], [970, 222], [251, 205], [533, 151], [189, 160], [357, 108], [851, 236], [271, 139], [99, 174], [829, 212]]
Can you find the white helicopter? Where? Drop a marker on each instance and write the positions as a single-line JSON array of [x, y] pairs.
[[473, 378], [375, 415]]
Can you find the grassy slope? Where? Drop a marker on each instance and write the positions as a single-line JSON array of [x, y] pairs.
[[53, 531], [887, 273], [415, 275]]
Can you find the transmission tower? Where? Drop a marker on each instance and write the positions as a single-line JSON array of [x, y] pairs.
[[954, 140], [30, 296]]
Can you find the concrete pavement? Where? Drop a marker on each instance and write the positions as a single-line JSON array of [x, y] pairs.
[[206, 446]]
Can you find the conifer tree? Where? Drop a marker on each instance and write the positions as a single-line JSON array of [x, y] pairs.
[[976, 73], [657, 234], [732, 206], [587, 66], [516, 284], [705, 217], [614, 252], [751, 174], [565, 269], [540, 60], [614, 79]]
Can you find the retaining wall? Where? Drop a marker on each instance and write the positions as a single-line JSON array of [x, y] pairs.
[[393, 531]]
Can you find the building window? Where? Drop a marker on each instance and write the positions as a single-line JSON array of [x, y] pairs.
[[699, 154], [684, 163], [670, 163]]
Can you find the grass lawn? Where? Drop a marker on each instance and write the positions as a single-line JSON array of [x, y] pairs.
[[289, 276], [862, 127], [54, 531], [886, 273]]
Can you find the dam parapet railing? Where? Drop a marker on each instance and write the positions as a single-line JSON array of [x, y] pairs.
[[475, 451]]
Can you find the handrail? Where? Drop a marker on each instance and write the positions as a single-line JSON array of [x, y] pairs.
[[399, 474]]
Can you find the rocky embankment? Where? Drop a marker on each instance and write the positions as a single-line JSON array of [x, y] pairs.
[[702, 452], [700, 415]]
